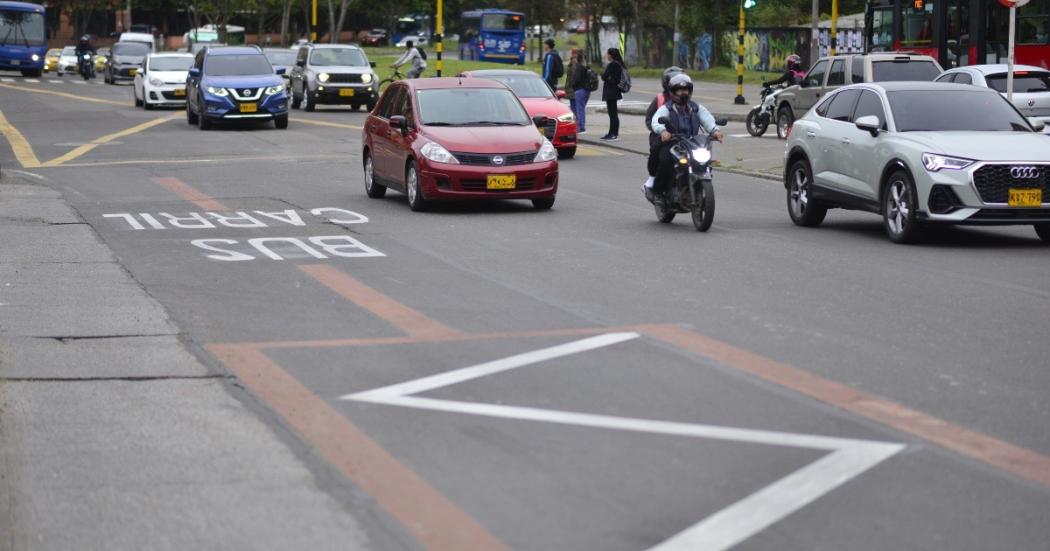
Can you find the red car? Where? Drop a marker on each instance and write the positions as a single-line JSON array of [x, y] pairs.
[[539, 100], [456, 138]]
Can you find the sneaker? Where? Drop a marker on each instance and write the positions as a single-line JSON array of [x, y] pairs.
[[606, 138], [649, 182], [648, 192], [612, 138], [584, 131]]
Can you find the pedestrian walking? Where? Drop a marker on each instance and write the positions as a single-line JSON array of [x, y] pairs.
[[616, 81], [577, 86], [553, 67]]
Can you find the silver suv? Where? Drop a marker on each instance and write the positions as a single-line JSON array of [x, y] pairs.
[[333, 74], [830, 73]]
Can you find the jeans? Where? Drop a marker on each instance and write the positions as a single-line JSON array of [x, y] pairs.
[[614, 117], [579, 108], [414, 73]]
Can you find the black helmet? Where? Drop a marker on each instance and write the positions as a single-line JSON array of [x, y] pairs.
[[85, 39], [678, 83], [668, 73]]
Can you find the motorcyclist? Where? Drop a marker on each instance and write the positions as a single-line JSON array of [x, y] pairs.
[[654, 138], [685, 117], [83, 48], [793, 72]]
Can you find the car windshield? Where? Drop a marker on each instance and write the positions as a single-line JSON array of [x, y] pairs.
[[130, 49], [471, 107], [281, 57], [886, 71], [954, 110], [22, 27], [525, 86], [1024, 82], [173, 63], [328, 57], [69, 50], [236, 65]]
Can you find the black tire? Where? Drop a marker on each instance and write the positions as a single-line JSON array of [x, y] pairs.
[[543, 204], [754, 124], [802, 210], [1043, 231], [664, 215], [138, 102], [416, 201], [310, 101], [384, 83], [373, 189], [281, 122], [785, 118], [899, 208], [191, 117], [32, 73], [147, 105], [567, 153], [205, 123], [355, 107], [704, 211]]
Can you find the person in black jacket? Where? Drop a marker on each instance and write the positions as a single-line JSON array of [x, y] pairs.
[[611, 91], [576, 88]]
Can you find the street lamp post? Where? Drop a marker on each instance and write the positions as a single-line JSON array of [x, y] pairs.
[[439, 31]]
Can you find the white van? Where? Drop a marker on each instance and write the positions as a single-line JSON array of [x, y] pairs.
[[141, 38]]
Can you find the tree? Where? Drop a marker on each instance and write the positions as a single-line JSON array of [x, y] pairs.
[[335, 26]]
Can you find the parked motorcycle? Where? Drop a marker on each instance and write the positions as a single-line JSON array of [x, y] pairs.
[[692, 190], [761, 115]]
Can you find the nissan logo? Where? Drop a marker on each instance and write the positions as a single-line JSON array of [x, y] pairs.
[[497, 160], [1025, 172], [245, 92]]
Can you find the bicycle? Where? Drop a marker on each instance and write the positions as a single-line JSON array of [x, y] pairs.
[[392, 78]]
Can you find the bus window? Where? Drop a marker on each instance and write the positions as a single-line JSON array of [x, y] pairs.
[[918, 24], [881, 30], [1033, 22], [502, 22]]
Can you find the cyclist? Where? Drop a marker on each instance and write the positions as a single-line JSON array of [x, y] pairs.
[[412, 55]]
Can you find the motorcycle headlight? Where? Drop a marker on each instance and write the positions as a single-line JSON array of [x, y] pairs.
[[567, 117], [221, 92], [366, 78], [323, 77], [935, 162], [35, 57], [546, 152], [438, 154], [274, 90], [702, 156], [154, 81]]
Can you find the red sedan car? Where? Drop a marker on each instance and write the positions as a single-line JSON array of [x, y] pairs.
[[540, 101], [456, 138]]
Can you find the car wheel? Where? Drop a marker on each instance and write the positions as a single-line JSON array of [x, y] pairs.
[[785, 118], [281, 122], [899, 208], [311, 102], [416, 201], [138, 102], [374, 190], [31, 73], [1043, 230], [543, 204], [147, 105], [205, 123], [802, 209], [191, 117], [567, 153]]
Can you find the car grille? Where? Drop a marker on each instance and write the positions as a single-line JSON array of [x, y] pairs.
[[523, 184], [485, 159], [993, 182], [344, 78], [1006, 215]]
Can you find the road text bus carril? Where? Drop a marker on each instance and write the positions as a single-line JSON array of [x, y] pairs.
[[959, 32], [23, 38], [493, 35]]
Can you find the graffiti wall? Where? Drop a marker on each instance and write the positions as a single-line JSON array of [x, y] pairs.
[[766, 49]]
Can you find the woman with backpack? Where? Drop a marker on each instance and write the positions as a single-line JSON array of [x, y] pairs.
[[614, 77], [577, 85]]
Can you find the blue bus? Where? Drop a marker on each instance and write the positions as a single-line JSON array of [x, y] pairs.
[[23, 38], [493, 35]]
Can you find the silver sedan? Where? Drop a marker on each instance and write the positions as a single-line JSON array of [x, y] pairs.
[[919, 153]]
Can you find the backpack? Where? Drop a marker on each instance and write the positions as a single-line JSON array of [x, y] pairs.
[[422, 53], [625, 80], [592, 80], [557, 67]]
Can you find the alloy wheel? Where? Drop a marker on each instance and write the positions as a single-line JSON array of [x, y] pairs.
[[799, 192], [898, 207]]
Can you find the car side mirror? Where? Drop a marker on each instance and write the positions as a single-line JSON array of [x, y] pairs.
[[372, 64], [399, 122], [195, 72], [540, 121], [870, 124], [560, 94], [1037, 124], [281, 70]]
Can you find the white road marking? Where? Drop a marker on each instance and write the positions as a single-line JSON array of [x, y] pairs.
[[33, 80], [722, 530], [740, 135], [78, 82], [7, 79], [54, 81]]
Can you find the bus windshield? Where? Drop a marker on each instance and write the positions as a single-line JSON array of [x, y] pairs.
[[502, 22], [21, 28], [917, 25]]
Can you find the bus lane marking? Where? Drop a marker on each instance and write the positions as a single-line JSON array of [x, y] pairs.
[[19, 145]]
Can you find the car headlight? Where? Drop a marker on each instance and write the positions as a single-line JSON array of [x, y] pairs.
[[323, 77], [546, 152], [567, 117], [221, 92], [702, 155], [274, 90], [366, 78], [438, 154], [35, 57], [154, 81], [934, 162]]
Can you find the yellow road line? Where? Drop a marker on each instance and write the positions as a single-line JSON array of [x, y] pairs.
[[326, 123], [23, 151], [199, 161], [64, 95], [77, 152]]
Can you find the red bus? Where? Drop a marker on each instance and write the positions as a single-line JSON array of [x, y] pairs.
[[959, 32]]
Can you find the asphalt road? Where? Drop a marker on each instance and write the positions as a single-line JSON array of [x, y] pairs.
[[486, 375]]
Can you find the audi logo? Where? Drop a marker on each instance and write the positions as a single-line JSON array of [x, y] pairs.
[[497, 160], [1031, 103], [1025, 172]]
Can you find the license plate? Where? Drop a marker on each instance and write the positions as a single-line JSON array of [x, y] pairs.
[[502, 181], [180, 92], [15, 62], [346, 92], [249, 108], [1025, 197], [132, 71]]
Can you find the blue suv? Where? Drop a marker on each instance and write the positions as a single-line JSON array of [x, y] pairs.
[[234, 84]]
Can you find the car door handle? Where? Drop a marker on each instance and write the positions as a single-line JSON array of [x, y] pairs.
[[811, 134]]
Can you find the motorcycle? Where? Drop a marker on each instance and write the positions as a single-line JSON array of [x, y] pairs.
[[761, 115], [87, 66], [692, 190]]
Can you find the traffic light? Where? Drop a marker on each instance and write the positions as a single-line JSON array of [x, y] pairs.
[[748, 4]]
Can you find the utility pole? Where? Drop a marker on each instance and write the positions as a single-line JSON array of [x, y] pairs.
[[834, 38], [313, 22], [127, 17], [439, 31], [677, 36], [814, 41]]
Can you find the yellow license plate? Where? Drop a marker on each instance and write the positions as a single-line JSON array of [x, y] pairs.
[[249, 108], [180, 91], [132, 71], [1025, 197], [502, 181], [346, 91]]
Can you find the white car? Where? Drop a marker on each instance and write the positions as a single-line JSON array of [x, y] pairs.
[[1031, 85], [67, 61], [419, 40], [162, 80]]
